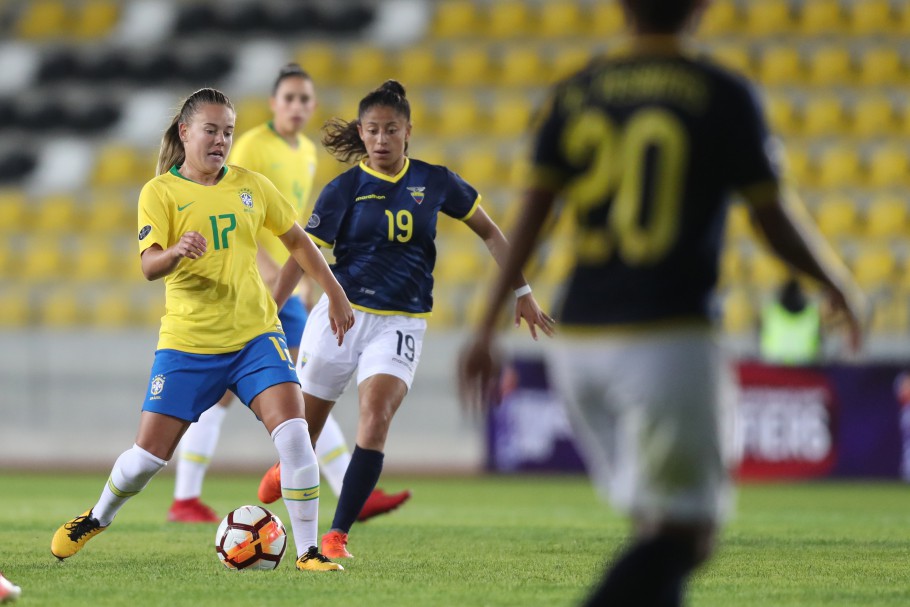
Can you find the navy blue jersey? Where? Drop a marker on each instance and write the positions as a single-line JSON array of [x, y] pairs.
[[383, 231], [646, 149]]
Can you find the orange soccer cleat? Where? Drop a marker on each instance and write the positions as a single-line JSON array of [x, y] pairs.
[[270, 485], [191, 511], [334, 545], [381, 502]]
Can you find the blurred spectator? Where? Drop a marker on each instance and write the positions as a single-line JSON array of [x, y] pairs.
[[791, 327]]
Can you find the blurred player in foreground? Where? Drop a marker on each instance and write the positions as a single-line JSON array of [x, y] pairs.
[[646, 147], [380, 217], [280, 151], [198, 221]]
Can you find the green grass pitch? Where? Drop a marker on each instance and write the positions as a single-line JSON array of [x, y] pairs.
[[459, 541]]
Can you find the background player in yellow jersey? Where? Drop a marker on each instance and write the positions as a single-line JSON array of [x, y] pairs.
[[198, 221], [646, 146], [279, 150]]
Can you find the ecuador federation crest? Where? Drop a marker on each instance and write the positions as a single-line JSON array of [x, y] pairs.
[[417, 193]]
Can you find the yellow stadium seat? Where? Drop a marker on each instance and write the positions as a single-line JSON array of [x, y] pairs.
[[559, 19], [881, 65], [768, 17], [820, 17], [94, 19], [874, 266], [113, 308], [838, 166], [721, 19], [873, 115], [779, 64], [508, 19], [567, 60], [150, 310], [57, 213], [870, 17], [782, 114], [823, 114], [43, 260], [94, 261], [15, 307], [13, 211], [458, 116], [510, 115], [888, 167], [445, 312], [887, 217], [456, 18], [732, 266], [522, 66], [62, 307], [110, 213], [115, 165], [797, 165], [468, 65], [457, 267], [251, 112], [831, 65], [418, 66], [606, 19], [739, 315], [43, 19], [739, 223], [322, 63], [366, 66], [733, 56], [480, 167], [836, 217], [890, 314], [766, 271]]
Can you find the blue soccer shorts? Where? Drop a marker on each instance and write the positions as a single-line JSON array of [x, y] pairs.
[[185, 385]]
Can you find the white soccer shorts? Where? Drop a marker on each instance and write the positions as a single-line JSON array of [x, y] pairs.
[[650, 416], [376, 344]]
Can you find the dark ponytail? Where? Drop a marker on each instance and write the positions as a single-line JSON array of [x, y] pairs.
[[291, 70], [341, 138], [172, 152]]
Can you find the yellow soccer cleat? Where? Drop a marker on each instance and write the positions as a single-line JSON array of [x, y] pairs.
[[72, 536], [312, 560]]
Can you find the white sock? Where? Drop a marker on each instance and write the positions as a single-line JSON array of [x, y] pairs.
[[131, 473], [333, 454], [195, 452], [299, 480]]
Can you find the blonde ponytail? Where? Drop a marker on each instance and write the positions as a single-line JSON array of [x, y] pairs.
[[172, 152]]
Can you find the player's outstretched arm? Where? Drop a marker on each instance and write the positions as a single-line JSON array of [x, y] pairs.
[[526, 307], [793, 236], [479, 360], [157, 262], [305, 255]]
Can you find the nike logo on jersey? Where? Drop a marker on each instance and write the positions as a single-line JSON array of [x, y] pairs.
[[180, 208]]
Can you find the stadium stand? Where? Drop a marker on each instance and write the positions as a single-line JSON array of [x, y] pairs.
[[95, 80]]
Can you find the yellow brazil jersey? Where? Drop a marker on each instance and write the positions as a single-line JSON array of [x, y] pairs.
[[217, 303], [263, 150]]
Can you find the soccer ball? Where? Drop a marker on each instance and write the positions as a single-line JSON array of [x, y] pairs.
[[250, 537]]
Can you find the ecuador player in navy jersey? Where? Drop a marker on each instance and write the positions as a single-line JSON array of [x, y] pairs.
[[645, 148], [198, 221], [380, 217], [280, 151]]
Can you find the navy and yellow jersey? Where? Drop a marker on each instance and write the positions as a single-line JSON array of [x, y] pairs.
[[646, 149], [217, 303], [263, 150], [383, 230]]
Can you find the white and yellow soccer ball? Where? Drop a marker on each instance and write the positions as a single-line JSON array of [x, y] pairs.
[[250, 537]]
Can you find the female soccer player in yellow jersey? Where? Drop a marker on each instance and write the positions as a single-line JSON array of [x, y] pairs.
[[380, 217], [646, 146], [198, 221], [280, 151]]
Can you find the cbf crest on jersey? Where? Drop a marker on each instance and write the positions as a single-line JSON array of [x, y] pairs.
[[246, 197], [417, 193], [157, 386]]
